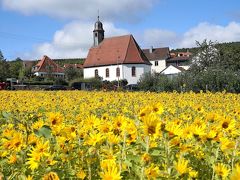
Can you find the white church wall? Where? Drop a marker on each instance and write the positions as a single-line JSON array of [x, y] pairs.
[[140, 70], [125, 72], [90, 72]]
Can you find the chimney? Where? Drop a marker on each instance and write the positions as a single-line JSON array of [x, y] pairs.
[[151, 49]]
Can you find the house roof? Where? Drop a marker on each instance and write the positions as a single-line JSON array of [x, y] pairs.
[[157, 53], [44, 64], [116, 50], [178, 58], [177, 67]]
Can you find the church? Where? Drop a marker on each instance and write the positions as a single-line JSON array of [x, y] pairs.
[[115, 58]]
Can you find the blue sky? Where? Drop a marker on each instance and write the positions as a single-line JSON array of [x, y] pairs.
[[63, 28]]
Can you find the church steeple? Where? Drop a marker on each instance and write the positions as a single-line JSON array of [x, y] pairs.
[[98, 33]]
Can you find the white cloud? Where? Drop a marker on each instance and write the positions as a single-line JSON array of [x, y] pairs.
[[213, 32], [74, 40], [160, 38], [82, 9]]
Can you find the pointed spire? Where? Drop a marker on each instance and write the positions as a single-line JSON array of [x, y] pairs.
[[98, 15]]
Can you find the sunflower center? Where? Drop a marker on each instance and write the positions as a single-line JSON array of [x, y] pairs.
[[225, 125], [142, 114], [17, 144], [151, 129], [54, 122]]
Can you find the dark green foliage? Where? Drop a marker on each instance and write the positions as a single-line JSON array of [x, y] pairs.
[[94, 83], [4, 68], [215, 67], [61, 62], [60, 81], [15, 68], [159, 83], [38, 83], [114, 85], [73, 73]]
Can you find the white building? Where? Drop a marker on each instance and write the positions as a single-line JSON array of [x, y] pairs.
[[115, 58], [46, 67], [157, 57], [172, 70]]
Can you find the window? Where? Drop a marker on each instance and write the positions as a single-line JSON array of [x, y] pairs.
[[107, 72], [156, 63], [133, 71], [96, 73], [118, 72], [95, 34]]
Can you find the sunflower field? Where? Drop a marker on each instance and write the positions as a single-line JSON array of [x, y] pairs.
[[119, 135]]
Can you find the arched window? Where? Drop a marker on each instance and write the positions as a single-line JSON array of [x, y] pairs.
[[118, 72], [96, 73], [133, 71], [107, 72]]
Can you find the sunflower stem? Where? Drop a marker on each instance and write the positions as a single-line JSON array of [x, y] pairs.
[[216, 155]]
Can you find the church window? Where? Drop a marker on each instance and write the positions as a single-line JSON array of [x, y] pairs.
[[118, 72], [107, 72], [133, 71], [96, 73], [156, 63]]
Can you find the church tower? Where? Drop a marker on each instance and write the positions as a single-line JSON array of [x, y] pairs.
[[98, 33]]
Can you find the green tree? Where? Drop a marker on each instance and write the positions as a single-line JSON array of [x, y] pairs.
[[21, 74], [206, 56], [158, 82], [4, 68], [215, 68], [230, 56], [72, 73], [15, 67]]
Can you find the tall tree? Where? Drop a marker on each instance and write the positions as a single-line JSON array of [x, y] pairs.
[[73, 73], [4, 68], [206, 56], [230, 56], [15, 67]]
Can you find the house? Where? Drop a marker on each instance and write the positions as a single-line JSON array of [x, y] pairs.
[[161, 58], [46, 67], [172, 71], [157, 57], [115, 58], [179, 61]]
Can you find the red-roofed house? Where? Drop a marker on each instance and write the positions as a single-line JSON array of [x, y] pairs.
[[47, 67], [157, 57], [115, 58]]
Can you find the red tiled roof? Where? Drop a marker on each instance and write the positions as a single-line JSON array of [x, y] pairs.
[[116, 50], [179, 58], [45, 63], [157, 53]]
